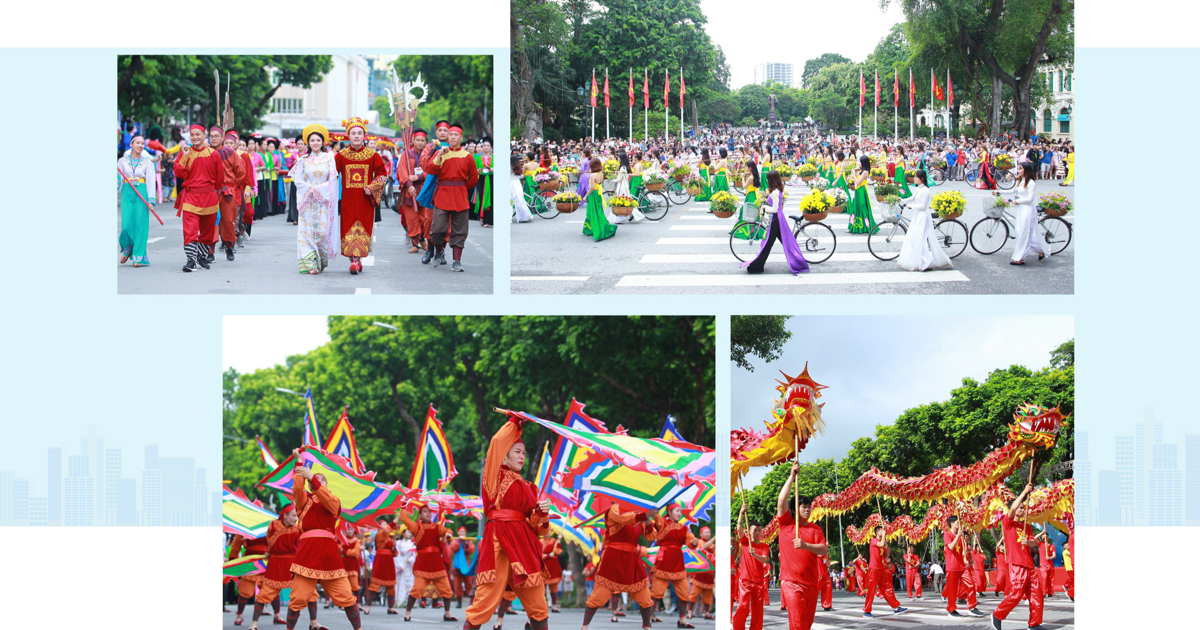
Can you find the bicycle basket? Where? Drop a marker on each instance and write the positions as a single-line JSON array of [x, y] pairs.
[[750, 212], [891, 214], [991, 209]]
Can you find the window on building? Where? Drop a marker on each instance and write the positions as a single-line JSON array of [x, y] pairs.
[[1064, 123], [287, 105], [1050, 76], [939, 121], [1060, 81], [1068, 81], [1046, 122]]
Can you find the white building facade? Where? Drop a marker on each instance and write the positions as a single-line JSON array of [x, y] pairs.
[[341, 94], [777, 72]]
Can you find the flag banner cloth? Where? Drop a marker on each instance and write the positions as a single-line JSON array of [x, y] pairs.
[[693, 561], [606, 89], [595, 89], [669, 432], [631, 489], [565, 456], [246, 565], [705, 500], [795, 417], [434, 466], [341, 441], [572, 533], [267, 457], [240, 515], [363, 499], [312, 431]]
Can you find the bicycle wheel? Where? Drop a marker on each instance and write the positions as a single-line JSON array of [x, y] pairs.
[[678, 194], [742, 242], [936, 176], [816, 240], [653, 204], [886, 240], [544, 207], [972, 175], [952, 236], [989, 235], [1005, 180], [737, 186], [1055, 232]]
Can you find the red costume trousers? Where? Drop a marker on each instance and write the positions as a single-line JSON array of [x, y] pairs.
[[200, 228], [860, 577], [911, 577], [1070, 585], [1023, 584], [749, 604], [955, 588], [879, 579], [801, 602], [826, 591], [1046, 575], [229, 210], [418, 222]]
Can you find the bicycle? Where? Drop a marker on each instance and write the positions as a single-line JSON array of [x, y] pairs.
[[886, 240], [990, 233], [1005, 180], [816, 240], [542, 203]]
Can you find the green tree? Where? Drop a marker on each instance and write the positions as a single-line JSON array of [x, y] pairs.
[[813, 66], [464, 82], [760, 335], [1063, 356]]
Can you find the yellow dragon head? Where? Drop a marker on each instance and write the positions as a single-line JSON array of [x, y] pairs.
[[1036, 425]]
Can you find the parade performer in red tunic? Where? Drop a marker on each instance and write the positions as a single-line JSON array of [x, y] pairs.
[[912, 574], [826, 585], [430, 568], [878, 578], [246, 584], [1023, 581], [509, 552], [668, 566], [1047, 554], [383, 570], [801, 545], [463, 551], [317, 558], [860, 575], [754, 558], [704, 582], [363, 178], [1001, 584], [200, 174], [621, 569], [956, 571], [979, 567], [232, 193], [551, 549], [417, 218], [351, 548], [457, 175], [282, 535]]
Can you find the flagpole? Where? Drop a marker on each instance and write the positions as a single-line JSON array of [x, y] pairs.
[[875, 133], [646, 105], [896, 105], [861, 96], [911, 99], [607, 133], [667, 111], [931, 80], [681, 104], [631, 107]]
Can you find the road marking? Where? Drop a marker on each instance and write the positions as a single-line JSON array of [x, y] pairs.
[[549, 278], [701, 228], [155, 239], [782, 279], [362, 291], [730, 258], [574, 221], [368, 261], [842, 238]]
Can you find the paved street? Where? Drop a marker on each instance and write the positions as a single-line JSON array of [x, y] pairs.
[[687, 252], [929, 612], [267, 264], [568, 619]]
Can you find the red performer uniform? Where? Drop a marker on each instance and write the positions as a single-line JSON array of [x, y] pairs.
[[879, 579], [464, 583], [1023, 582], [751, 592], [363, 179], [1001, 573], [668, 566], [232, 193], [281, 550], [457, 175], [429, 568], [1069, 565], [860, 576], [509, 553], [1046, 568], [826, 585], [417, 218], [200, 174], [978, 564], [247, 583], [800, 580], [621, 569], [383, 569], [317, 558], [551, 548], [704, 582], [351, 549], [912, 574], [956, 574], [246, 209]]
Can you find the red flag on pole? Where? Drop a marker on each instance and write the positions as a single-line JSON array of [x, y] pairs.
[[949, 91], [606, 89], [912, 90], [862, 89], [896, 88], [938, 92], [646, 89], [876, 87], [631, 87], [667, 91], [682, 89], [594, 89]]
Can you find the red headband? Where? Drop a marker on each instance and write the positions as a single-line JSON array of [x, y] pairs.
[[291, 507], [232, 133], [442, 124], [458, 129], [198, 126], [419, 133]]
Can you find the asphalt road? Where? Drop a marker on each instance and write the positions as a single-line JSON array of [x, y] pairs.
[[687, 252], [267, 264]]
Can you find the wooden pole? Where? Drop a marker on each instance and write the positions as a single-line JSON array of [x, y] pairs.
[[795, 494]]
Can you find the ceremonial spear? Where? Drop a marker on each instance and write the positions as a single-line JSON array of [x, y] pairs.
[[402, 114]]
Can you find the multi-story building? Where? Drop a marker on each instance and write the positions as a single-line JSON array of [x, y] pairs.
[[1164, 487], [1083, 480], [151, 457], [54, 486], [178, 479], [1191, 472], [341, 94], [1055, 119], [1146, 435], [773, 72], [1109, 498], [38, 512], [1126, 475], [6, 497], [79, 493], [20, 502], [112, 477], [126, 513], [152, 497]]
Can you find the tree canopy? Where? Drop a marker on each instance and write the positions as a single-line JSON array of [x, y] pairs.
[[460, 89], [760, 335]]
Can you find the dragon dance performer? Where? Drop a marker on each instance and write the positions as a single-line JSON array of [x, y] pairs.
[[860, 575], [956, 572], [417, 219], [912, 574], [462, 572], [351, 549], [200, 174], [1047, 553], [457, 174], [430, 568], [751, 592], [551, 549], [363, 177], [621, 569], [800, 564], [826, 585], [317, 559], [978, 565], [669, 566], [233, 191], [878, 576], [1023, 580], [282, 535], [383, 569], [509, 553], [1069, 565], [247, 583], [1001, 584], [705, 581]]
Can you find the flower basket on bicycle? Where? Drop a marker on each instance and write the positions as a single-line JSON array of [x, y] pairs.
[[680, 172], [1004, 162], [807, 171], [840, 200], [879, 175], [815, 205], [567, 202], [994, 206], [723, 205], [909, 177], [622, 205], [785, 172], [694, 185], [546, 180], [949, 204], [882, 191], [1054, 204]]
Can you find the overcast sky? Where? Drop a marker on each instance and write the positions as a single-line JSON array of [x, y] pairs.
[[877, 367], [251, 342], [757, 32]]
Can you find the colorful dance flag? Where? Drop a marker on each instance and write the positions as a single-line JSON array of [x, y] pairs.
[[693, 561], [685, 462], [312, 432], [571, 533], [705, 500], [566, 455], [363, 499], [669, 432], [267, 457], [240, 515], [341, 441], [596, 521], [630, 488], [434, 467], [246, 565]]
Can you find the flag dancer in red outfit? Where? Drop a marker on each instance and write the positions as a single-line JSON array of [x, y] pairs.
[[877, 577], [1023, 582], [317, 558], [912, 573], [363, 177], [704, 581], [429, 568], [246, 583], [751, 592], [801, 545], [351, 548], [551, 548], [621, 569], [201, 174], [383, 569], [282, 536], [668, 565], [457, 175]]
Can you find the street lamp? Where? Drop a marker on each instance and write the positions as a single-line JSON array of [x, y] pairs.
[[238, 439], [287, 391], [383, 325], [841, 540]]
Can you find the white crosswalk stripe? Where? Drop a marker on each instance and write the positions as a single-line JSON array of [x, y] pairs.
[[747, 280]]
